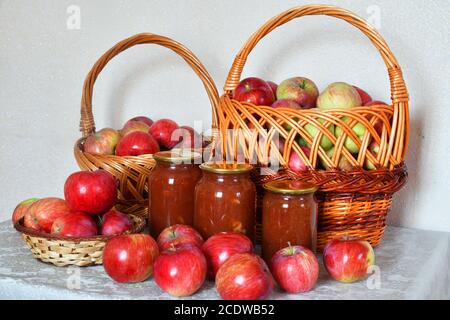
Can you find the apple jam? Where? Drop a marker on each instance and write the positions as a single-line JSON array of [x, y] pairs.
[[171, 189], [225, 200], [289, 215]]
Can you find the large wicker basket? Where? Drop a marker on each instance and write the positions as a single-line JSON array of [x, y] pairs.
[[64, 251], [132, 171], [352, 202]]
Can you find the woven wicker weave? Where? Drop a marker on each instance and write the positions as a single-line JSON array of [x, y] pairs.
[[352, 202], [62, 251], [132, 171]]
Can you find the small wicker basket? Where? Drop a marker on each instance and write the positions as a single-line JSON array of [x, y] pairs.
[[353, 202], [63, 251], [132, 171]]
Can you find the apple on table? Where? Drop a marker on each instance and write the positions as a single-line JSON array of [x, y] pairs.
[[179, 234]]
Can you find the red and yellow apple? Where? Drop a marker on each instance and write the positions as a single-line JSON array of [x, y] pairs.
[[339, 95], [134, 126], [102, 142], [301, 90], [144, 119], [42, 213], [21, 209]]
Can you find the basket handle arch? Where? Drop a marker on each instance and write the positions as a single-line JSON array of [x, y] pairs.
[[87, 124], [399, 94]]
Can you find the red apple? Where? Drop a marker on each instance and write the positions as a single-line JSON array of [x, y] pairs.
[[137, 143], [295, 268], [75, 224], [21, 209], [179, 234], [189, 137], [296, 164], [244, 276], [181, 270], [134, 126], [365, 97], [375, 103], [347, 259], [301, 90], [255, 91], [221, 246], [42, 213], [163, 132], [130, 258], [103, 142], [93, 192], [274, 87], [144, 119], [115, 222], [283, 103]]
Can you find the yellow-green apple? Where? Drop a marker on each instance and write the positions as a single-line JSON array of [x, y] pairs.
[[359, 129], [114, 223], [75, 224], [347, 259], [163, 132], [295, 163], [339, 95], [299, 89], [325, 142], [137, 143], [244, 276], [130, 258], [178, 234], [295, 268], [180, 270], [374, 147], [255, 91], [93, 192], [365, 97], [102, 142], [21, 209], [144, 119], [221, 246], [274, 87], [134, 126], [42, 213], [343, 163]]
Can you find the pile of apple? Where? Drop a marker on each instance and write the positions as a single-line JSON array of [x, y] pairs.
[[181, 261], [141, 135], [86, 211], [301, 93]]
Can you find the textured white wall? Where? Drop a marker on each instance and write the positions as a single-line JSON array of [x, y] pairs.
[[43, 65]]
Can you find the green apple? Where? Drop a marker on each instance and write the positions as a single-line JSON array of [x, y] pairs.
[[343, 163], [359, 129], [325, 143], [374, 147], [339, 95]]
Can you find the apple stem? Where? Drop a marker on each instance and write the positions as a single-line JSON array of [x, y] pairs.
[[290, 250]]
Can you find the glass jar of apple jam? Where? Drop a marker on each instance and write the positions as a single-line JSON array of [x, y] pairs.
[[225, 200], [171, 189], [289, 215]]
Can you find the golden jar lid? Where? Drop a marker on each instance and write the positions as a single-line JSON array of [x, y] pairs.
[[185, 156], [290, 187], [226, 168]]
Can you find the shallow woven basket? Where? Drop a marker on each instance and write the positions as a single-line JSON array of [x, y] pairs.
[[352, 202], [132, 171], [63, 251]]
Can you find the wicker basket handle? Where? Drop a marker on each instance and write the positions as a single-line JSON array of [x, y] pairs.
[[87, 125], [398, 87]]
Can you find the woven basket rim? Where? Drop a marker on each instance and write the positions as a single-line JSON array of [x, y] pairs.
[[137, 228]]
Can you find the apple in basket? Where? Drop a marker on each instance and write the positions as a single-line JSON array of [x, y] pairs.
[[164, 133], [75, 224], [221, 246], [339, 95], [102, 142], [93, 192], [244, 276], [359, 129], [299, 89], [42, 213], [313, 131], [21, 209], [130, 258], [180, 270], [178, 234], [134, 126], [284, 103], [190, 138], [137, 143], [348, 259], [114, 223], [343, 163], [296, 163], [255, 91], [375, 103], [144, 119], [365, 97], [374, 147], [274, 87], [295, 268]]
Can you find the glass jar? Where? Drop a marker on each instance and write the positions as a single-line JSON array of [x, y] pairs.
[[225, 200], [171, 189], [289, 215]]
